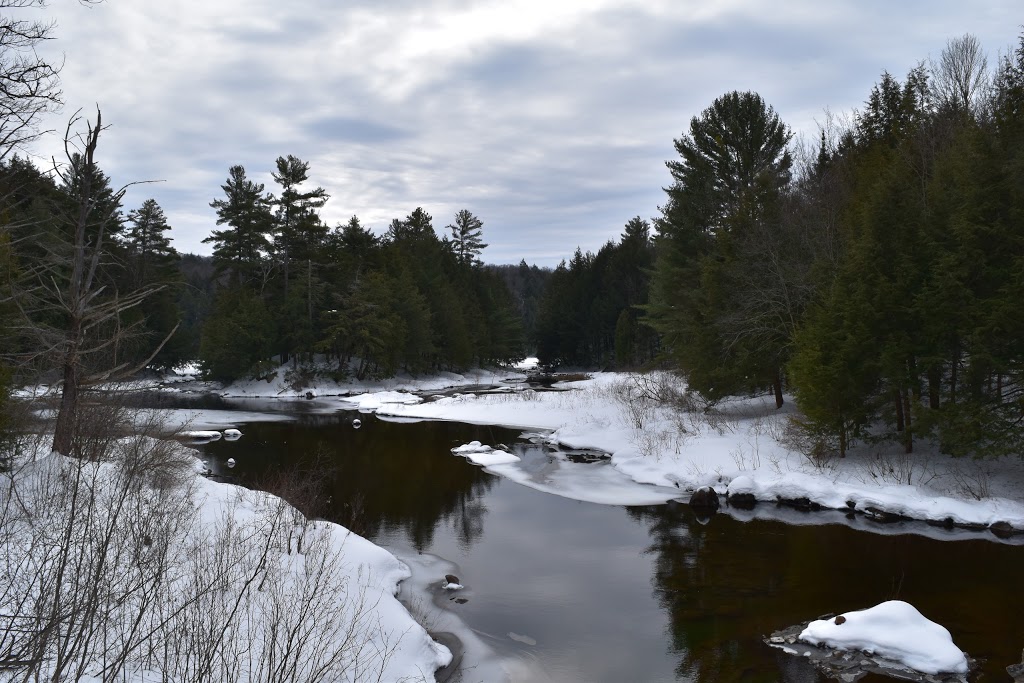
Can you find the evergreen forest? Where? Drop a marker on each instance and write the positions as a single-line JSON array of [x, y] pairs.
[[875, 275]]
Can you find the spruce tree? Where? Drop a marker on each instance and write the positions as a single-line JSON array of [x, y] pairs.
[[241, 248], [466, 237]]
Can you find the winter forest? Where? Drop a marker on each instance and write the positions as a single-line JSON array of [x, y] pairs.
[[875, 276], [801, 314]]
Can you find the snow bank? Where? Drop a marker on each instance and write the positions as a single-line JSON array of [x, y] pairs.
[[289, 381], [734, 449], [237, 561], [894, 630]]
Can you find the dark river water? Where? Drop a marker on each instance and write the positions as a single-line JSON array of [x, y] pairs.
[[587, 592]]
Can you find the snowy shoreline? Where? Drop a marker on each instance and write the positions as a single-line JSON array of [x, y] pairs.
[[664, 454], [235, 568]]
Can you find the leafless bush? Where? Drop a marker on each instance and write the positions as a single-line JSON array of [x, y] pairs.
[[819, 447], [107, 569], [86, 549], [901, 468], [971, 479]]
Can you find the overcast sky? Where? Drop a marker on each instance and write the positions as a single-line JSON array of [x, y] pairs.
[[550, 120]]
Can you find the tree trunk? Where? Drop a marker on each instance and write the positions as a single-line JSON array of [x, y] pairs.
[[898, 401], [777, 386], [934, 387], [67, 416], [908, 432]]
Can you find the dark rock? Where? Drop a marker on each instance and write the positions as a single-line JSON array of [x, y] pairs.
[[451, 578], [840, 620], [1016, 671], [741, 501], [704, 499], [1004, 530], [882, 516], [804, 504], [946, 523]]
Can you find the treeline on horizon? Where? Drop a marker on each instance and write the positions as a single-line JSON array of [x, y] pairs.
[[283, 285], [879, 279]]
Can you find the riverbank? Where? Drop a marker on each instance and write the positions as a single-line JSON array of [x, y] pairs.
[[176, 575], [741, 449]]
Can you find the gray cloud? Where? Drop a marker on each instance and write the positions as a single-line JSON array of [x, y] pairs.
[[551, 121]]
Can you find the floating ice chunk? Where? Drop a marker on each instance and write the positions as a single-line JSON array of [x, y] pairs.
[[519, 638], [232, 434], [485, 456], [373, 401], [231, 462], [894, 630], [201, 435]]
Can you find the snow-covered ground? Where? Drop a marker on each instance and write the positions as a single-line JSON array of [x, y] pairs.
[[187, 577], [737, 449], [287, 382]]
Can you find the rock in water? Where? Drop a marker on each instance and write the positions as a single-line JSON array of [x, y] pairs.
[[704, 499], [451, 578], [1016, 671]]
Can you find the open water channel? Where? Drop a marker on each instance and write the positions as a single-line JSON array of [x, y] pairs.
[[584, 592]]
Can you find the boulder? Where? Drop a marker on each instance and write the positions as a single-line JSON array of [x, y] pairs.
[[704, 499], [1016, 671], [742, 501]]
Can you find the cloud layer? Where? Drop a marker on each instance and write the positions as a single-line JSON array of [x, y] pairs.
[[549, 120]]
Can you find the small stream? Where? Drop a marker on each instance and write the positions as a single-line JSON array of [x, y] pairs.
[[584, 592]]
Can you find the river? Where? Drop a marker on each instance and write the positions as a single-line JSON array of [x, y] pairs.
[[577, 591]]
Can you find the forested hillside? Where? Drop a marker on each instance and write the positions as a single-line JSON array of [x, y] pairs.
[[881, 280], [293, 287]]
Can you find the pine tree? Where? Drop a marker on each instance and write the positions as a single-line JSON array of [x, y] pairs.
[[734, 165], [466, 237], [241, 248]]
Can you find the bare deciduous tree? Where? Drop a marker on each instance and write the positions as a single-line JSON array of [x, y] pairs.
[[960, 75], [69, 311], [29, 85]]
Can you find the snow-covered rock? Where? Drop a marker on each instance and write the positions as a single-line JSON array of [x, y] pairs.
[[485, 456], [894, 630]]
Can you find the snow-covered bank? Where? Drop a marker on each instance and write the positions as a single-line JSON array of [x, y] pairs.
[[737, 450], [177, 577], [291, 381]]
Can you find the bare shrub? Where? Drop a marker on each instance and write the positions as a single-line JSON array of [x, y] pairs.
[[107, 569], [901, 468], [819, 447], [971, 479]]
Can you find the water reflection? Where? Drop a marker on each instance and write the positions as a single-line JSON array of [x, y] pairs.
[[375, 478], [727, 583]]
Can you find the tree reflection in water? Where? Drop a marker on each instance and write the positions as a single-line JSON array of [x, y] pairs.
[[726, 584], [380, 477]]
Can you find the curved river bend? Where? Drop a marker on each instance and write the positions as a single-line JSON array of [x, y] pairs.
[[576, 591]]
